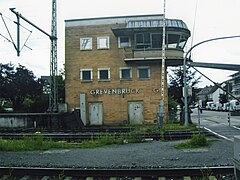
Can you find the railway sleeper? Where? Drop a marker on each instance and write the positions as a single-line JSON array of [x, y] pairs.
[[27, 177]]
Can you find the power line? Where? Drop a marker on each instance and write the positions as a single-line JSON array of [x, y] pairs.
[[194, 22], [17, 48], [15, 22]]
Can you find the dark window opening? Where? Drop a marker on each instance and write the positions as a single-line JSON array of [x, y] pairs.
[[143, 73], [126, 73], [173, 40], [103, 74], [86, 75]]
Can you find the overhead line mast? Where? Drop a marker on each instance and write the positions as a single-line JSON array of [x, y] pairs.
[[163, 68], [53, 96]]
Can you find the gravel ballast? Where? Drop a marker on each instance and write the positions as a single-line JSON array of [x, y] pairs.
[[155, 154]]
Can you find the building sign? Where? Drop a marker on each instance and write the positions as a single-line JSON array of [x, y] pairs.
[[120, 91], [114, 91], [156, 90]]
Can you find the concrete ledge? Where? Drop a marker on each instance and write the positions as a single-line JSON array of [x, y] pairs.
[[236, 158], [29, 120]]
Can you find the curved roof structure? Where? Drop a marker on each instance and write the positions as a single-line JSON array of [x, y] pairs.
[[156, 23]]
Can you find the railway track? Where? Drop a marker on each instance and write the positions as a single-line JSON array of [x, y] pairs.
[[89, 135], [82, 130], [27, 173]]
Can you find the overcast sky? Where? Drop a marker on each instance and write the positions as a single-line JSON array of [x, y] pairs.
[[212, 18]]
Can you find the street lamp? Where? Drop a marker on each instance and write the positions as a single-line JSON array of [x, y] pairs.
[[185, 75]]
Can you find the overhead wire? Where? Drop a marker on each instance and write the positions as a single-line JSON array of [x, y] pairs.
[[11, 39], [6, 38], [8, 32], [216, 84], [15, 22], [194, 25], [24, 45]]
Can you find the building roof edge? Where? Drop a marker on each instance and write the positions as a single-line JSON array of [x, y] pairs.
[[113, 17]]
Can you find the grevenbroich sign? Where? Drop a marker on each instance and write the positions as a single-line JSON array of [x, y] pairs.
[[114, 91], [119, 91]]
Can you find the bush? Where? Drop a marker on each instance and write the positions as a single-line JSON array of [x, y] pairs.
[[197, 141]]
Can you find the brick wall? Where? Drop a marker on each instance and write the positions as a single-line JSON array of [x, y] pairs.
[[115, 107]]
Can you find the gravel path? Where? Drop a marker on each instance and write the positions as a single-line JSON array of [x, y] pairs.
[[153, 154]]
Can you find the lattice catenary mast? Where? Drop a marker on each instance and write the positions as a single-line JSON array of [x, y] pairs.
[[53, 97]]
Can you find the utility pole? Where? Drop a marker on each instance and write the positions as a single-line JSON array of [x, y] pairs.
[[161, 107], [53, 97]]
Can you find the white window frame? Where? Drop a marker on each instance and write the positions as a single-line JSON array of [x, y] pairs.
[[100, 45], [103, 69], [86, 40], [124, 45], [124, 68], [86, 69], [143, 67]]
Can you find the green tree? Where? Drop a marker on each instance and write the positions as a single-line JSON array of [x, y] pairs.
[[176, 84], [61, 85], [20, 87], [177, 79], [172, 108], [61, 88], [223, 98], [6, 76], [24, 86]]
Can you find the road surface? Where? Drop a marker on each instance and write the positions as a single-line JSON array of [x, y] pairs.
[[217, 122]]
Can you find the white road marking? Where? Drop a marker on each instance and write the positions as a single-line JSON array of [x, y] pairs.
[[219, 135]]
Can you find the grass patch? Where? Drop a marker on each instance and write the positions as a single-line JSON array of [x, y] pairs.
[[143, 128], [173, 126], [101, 141], [153, 128], [197, 141], [38, 142]]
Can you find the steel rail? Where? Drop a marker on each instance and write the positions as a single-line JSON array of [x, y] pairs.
[[82, 172], [167, 135], [83, 130]]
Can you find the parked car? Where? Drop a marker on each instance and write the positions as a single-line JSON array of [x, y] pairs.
[[226, 106], [218, 106], [8, 109], [213, 107], [234, 105], [209, 105]]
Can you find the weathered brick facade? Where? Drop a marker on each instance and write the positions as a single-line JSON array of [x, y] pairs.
[[114, 94]]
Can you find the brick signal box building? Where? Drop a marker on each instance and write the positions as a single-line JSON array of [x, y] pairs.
[[113, 66]]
